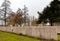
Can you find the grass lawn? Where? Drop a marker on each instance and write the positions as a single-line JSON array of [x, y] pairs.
[[4, 36], [58, 37]]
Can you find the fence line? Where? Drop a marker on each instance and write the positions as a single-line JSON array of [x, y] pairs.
[[44, 32]]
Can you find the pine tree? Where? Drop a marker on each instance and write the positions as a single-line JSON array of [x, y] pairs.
[[5, 10], [52, 13]]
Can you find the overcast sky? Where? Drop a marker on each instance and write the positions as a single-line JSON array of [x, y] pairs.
[[33, 5]]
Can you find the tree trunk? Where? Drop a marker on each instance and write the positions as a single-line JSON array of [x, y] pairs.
[[51, 23]]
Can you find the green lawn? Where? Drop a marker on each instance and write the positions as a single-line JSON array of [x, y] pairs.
[[58, 37], [4, 36]]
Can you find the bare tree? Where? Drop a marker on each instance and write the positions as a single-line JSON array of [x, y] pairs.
[[25, 10], [19, 17]]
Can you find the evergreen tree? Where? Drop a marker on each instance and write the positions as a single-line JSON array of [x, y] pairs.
[[52, 13], [5, 10]]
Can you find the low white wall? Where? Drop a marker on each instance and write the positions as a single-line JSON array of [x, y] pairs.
[[44, 32]]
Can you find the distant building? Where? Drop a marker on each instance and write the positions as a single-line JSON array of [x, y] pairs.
[[33, 22]]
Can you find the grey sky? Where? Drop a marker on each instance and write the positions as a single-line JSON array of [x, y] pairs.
[[33, 5]]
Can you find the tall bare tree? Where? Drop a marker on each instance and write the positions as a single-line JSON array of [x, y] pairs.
[[25, 9], [19, 17]]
